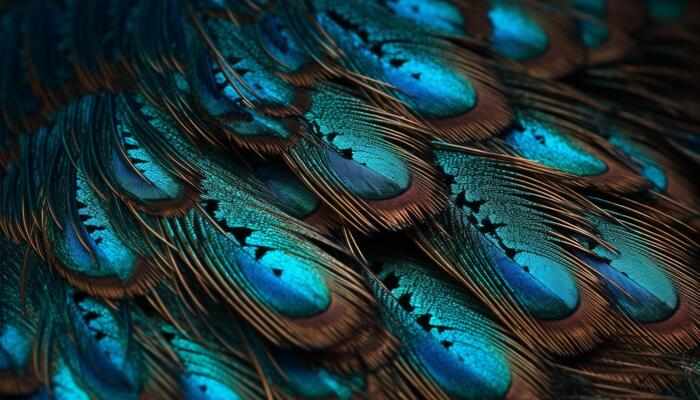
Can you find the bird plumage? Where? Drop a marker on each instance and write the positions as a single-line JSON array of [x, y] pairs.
[[222, 199]]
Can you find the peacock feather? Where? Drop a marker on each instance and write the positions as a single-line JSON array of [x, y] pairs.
[[317, 199]]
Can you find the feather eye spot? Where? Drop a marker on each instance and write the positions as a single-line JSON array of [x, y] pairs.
[[348, 26], [129, 146], [397, 62], [346, 153], [377, 50], [448, 179], [89, 316], [424, 321], [168, 336], [260, 252], [210, 206], [489, 228], [486, 227], [79, 297], [277, 272], [239, 233], [391, 282], [90, 228], [405, 302], [462, 202]]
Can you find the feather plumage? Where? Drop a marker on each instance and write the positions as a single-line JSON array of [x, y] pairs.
[[349, 199]]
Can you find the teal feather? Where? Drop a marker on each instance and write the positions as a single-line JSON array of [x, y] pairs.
[[314, 383], [516, 34], [512, 232], [539, 141], [127, 167], [537, 37], [593, 32], [377, 43], [209, 373], [293, 196], [562, 146], [640, 287], [17, 332], [370, 172], [508, 240], [229, 111], [86, 243], [649, 167], [411, 69], [644, 269], [244, 77], [137, 171], [444, 332], [440, 15], [286, 282], [105, 360], [360, 159]]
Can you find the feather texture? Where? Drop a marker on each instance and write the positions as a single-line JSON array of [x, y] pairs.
[[390, 199]]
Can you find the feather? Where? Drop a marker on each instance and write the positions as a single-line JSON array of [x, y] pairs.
[[282, 279], [295, 198], [447, 336], [209, 371], [562, 146], [362, 165], [298, 379], [16, 331], [603, 28], [644, 273], [103, 358], [504, 244], [541, 40], [91, 252], [474, 106]]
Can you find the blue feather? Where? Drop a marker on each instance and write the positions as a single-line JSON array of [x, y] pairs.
[[443, 331], [537, 140], [516, 34], [635, 278]]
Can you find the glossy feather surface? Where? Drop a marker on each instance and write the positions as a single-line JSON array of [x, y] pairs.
[[382, 199]]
